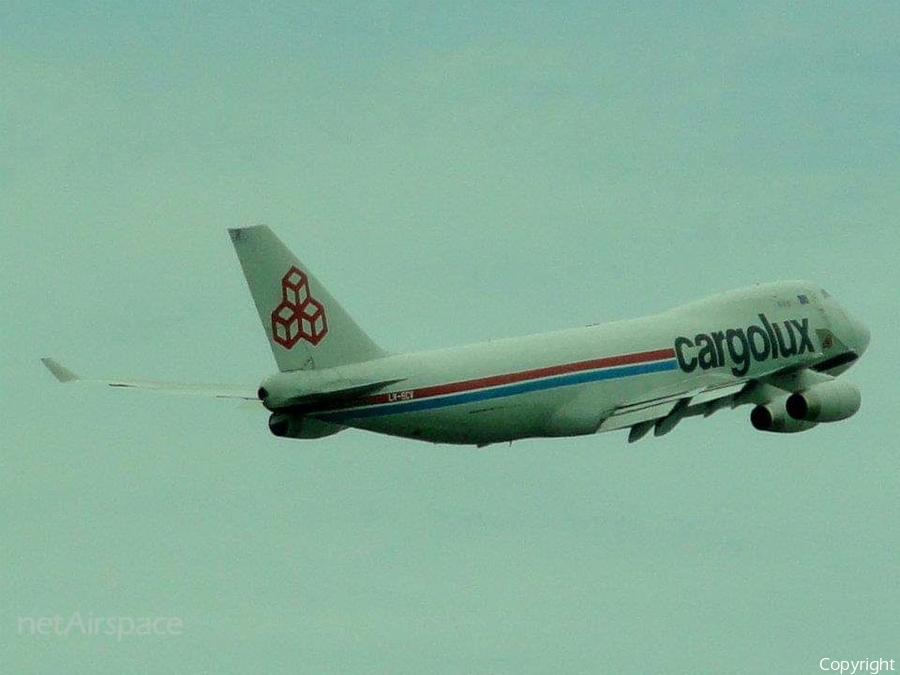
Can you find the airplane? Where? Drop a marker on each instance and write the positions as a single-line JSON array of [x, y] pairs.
[[779, 347]]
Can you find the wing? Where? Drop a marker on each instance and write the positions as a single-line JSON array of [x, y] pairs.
[[329, 393], [663, 413], [244, 392]]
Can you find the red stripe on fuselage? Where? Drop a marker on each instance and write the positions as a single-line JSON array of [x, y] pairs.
[[495, 380]]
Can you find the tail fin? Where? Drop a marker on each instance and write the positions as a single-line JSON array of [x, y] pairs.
[[306, 327]]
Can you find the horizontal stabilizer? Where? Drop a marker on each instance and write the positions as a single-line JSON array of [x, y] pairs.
[[336, 395], [314, 389]]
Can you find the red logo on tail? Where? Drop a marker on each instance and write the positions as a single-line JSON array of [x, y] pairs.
[[299, 316]]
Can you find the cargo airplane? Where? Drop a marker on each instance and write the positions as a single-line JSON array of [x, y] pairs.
[[779, 347]]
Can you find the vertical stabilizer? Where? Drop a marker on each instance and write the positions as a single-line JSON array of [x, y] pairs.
[[305, 326]]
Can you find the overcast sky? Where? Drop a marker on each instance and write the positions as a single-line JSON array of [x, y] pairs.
[[453, 173]]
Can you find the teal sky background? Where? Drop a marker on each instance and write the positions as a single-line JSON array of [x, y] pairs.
[[453, 172]]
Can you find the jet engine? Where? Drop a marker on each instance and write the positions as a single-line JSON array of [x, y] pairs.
[[288, 425], [826, 402], [773, 417]]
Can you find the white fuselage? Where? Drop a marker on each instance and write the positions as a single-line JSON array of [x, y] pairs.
[[567, 382], [778, 346]]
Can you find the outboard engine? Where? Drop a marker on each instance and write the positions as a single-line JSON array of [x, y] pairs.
[[773, 417], [292, 425]]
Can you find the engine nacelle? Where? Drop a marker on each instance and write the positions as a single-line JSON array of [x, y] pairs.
[[774, 418], [826, 402], [287, 425]]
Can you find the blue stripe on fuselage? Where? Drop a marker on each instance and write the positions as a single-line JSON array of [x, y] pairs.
[[498, 392]]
